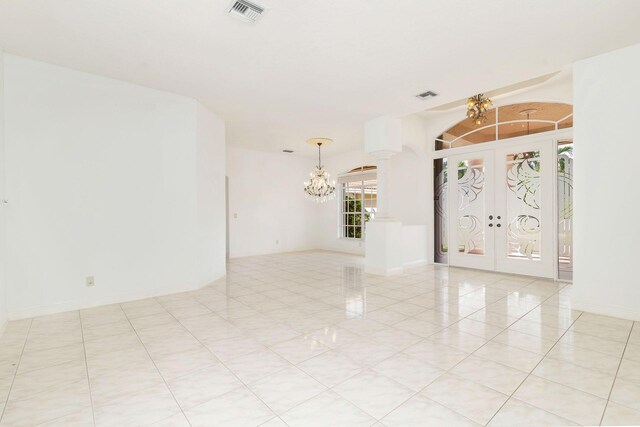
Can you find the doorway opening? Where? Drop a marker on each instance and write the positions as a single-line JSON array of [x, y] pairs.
[[503, 192]]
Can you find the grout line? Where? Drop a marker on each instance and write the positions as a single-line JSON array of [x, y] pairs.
[[490, 340], [154, 363], [309, 278], [299, 334], [364, 368], [534, 368], [223, 364], [86, 367], [531, 373], [428, 338], [616, 376], [505, 329], [15, 374]]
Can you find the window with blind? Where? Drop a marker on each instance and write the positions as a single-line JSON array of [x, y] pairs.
[[358, 201]]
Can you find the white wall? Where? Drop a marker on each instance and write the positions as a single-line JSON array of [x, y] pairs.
[[111, 180], [414, 244], [606, 92], [211, 208], [3, 208], [265, 191], [268, 210]]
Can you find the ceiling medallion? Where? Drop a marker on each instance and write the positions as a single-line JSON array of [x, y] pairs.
[[318, 188], [477, 105]]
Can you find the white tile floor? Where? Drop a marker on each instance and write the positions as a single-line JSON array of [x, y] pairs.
[[308, 339]]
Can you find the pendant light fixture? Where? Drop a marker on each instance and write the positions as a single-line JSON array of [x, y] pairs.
[[319, 188], [477, 105]]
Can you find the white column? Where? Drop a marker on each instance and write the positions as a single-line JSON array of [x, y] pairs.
[[383, 242], [382, 198]]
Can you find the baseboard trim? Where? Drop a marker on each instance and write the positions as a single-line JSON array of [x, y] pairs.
[[380, 271], [261, 253], [605, 310], [416, 263], [81, 304]]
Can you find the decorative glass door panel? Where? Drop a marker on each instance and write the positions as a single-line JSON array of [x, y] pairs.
[[565, 209], [471, 206], [522, 213], [470, 196], [524, 209], [440, 222]]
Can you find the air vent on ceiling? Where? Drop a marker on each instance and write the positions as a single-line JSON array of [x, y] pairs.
[[245, 11], [426, 95], [287, 151]]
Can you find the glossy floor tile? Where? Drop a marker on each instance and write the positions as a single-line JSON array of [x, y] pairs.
[[309, 339]]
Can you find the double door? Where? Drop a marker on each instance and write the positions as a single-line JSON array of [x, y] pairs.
[[501, 208]]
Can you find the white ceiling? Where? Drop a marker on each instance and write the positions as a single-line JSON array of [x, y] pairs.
[[317, 68]]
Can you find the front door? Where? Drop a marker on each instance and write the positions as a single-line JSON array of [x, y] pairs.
[[502, 218]]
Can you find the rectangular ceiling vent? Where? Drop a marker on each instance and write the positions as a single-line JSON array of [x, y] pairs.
[[426, 95], [245, 11]]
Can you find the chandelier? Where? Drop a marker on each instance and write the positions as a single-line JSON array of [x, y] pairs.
[[318, 188], [477, 105]]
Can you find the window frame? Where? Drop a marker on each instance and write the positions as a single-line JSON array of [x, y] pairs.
[[367, 195], [560, 122]]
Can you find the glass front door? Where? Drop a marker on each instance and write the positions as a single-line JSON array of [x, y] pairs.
[[502, 218], [525, 203]]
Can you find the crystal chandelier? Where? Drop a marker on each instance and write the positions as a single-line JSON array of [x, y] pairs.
[[477, 105], [318, 187]]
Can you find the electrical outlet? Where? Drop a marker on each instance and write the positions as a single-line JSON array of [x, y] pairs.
[[235, 215], [91, 281], [277, 242]]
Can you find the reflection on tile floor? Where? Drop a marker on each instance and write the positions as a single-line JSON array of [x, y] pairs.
[[308, 339]]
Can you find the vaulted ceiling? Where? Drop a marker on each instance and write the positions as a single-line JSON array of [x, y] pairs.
[[317, 68]]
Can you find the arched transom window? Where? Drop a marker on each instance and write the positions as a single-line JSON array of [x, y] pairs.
[[508, 121]]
